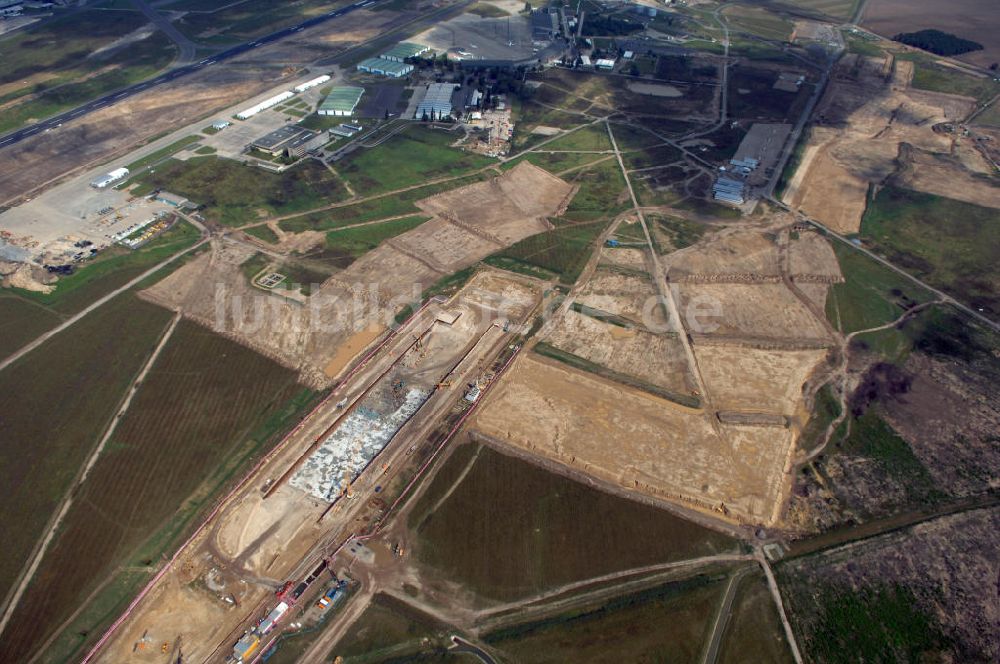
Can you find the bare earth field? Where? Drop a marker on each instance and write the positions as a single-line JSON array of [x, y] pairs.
[[373, 289], [661, 449], [757, 311], [977, 20], [866, 115]]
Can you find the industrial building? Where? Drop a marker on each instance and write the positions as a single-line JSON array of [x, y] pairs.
[[346, 130], [175, 200], [381, 67], [342, 100], [289, 140], [437, 103], [108, 179], [604, 63], [403, 51], [729, 190], [319, 80], [264, 105], [219, 125]]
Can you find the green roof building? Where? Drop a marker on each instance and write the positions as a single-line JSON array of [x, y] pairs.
[[404, 50], [382, 67], [342, 100]]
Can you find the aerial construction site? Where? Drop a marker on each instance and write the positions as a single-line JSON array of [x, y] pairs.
[[332, 478]]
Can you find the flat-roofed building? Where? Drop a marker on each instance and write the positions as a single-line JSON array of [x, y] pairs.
[[290, 139]]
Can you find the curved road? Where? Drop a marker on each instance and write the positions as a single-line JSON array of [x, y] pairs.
[[114, 97]]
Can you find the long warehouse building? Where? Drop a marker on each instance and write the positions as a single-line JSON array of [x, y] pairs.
[[342, 100], [264, 105]]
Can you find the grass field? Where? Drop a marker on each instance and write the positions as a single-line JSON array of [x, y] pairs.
[[379, 208], [198, 417], [930, 76], [511, 528], [602, 193], [666, 624], [356, 242], [21, 321], [591, 137], [679, 232], [238, 22], [871, 294], [825, 410], [113, 268], [948, 243], [92, 362], [262, 232], [555, 162], [562, 251], [411, 157], [752, 96], [234, 194], [386, 630], [759, 22], [653, 156], [56, 61], [164, 152], [872, 624], [754, 632]]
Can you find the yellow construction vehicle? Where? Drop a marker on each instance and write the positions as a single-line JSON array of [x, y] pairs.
[[442, 385]]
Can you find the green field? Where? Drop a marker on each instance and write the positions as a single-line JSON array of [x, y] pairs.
[[948, 243], [825, 410], [670, 623], [678, 232], [157, 156], [511, 528], [234, 194], [76, 380], [112, 268], [871, 294], [556, 162], [206, 409], [55, 61], [589, 138], [389, 629], [930, 76], [262, 232], [21, 321], [563, 251], [391, 205], [754, 632], [240, 21], [759, 22], [411, 157], [602, 193], [881, 623], [356, 242]]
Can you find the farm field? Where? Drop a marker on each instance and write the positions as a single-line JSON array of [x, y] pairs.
[[968, 19], [207, 407], [94, 361], [69, 60], [22, 321], [234, 194], [871, 295], [948, 243], [668, 623], [754, 632], [113, 268], [411, 157], [511, 528]]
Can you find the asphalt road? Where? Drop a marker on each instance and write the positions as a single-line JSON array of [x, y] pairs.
[[166, 77], [186, 46]]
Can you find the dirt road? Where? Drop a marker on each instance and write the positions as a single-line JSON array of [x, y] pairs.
[[69, 322]]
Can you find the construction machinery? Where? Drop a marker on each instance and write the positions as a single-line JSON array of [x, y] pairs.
[[442, 385]]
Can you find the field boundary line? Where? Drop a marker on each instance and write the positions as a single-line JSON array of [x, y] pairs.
[[225, 500], [17, 355], [42, 545]]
